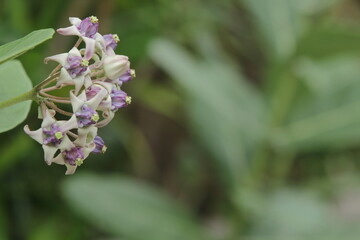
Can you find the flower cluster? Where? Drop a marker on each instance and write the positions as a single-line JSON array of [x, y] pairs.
[[93, 77]]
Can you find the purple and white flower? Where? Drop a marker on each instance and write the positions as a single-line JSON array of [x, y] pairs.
[[73, 156], [96, 74], [85, 29], [53, 134], [75, 69]]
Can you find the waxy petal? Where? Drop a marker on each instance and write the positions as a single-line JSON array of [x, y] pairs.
[[77, 101], [86, 135], [48, 119], [64, 77], [36, 135], [95, 101], [60, 58], [74, 21], [69, 124], [49, 152], [69, 31], [59, 159], [70, 169], [90, 47]]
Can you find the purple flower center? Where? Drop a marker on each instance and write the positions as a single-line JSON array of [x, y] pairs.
[[119, 99], [92, 91], [111, 40], [86, 116], [77, 66], [53, 135], [89, 27], [74, 156], [99, 145]]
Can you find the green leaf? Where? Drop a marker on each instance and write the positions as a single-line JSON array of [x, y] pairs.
[[226, 113], [282, 22], [130, 209], [13, 82], [329, 117], [301, 214], [18, 47], [329, 41]]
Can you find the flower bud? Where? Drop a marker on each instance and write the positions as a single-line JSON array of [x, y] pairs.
[[115, 66], [119, 99], [100, 146], [111, 40], [127, 76]]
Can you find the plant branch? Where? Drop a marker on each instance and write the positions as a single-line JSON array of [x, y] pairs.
[[30, 95]]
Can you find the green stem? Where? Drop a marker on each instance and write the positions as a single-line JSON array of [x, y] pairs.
[[31, 95], [47, 81]]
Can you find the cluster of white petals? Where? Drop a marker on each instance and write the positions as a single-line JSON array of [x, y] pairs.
[[93, 76]]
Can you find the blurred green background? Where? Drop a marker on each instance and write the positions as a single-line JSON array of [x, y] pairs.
[[245, 124]]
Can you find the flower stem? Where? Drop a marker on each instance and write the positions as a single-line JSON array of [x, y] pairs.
[[30, 95], [47, 81]]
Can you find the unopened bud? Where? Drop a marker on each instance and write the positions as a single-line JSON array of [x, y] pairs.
[[115, 66]]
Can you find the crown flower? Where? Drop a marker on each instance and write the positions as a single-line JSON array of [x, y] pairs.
[[93, 77]]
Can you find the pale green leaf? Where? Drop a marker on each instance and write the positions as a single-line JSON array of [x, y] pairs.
[[329, 116], [226, 113], [282, 22], [13, 82], [18, 47], [129, 208]]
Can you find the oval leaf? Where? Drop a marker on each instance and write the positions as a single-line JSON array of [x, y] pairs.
[[129, 209], [18, 47], [13, 82]]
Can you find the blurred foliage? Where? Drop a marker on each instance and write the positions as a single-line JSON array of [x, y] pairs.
[[245, 124]]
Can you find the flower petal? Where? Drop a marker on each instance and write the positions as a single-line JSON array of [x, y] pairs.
[[64, 77], [59, 159], [86, 135], [79, 82], [77, 102], [69, 124], [69, 31], [70, 170], [48, 118], [89, 149], [90, 47], [60, 58], [75, 52], [74, 21], [36, 135], [49, 152], [95, 101], [66, 144]]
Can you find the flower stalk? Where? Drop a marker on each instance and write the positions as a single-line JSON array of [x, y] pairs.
[[28, 96]]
